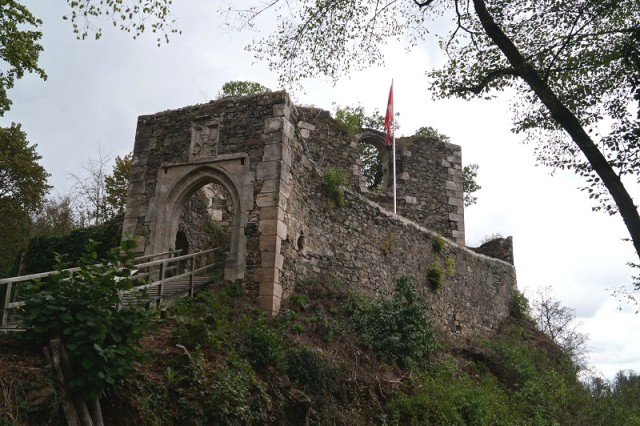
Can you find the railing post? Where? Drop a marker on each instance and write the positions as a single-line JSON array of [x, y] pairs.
[[193, 269], [5, 310], [163, 268]]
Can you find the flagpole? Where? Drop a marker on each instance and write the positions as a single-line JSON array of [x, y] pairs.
[[394, 158]]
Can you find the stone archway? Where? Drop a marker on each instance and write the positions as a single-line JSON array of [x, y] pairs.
[[377, 140], [178, 182]]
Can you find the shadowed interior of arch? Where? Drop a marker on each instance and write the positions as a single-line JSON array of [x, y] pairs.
[[205, 222]]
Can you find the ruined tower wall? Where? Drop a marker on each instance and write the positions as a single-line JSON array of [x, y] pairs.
[[366, 248]]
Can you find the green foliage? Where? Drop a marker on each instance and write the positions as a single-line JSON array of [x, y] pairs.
[[22, 179], [387, 244], [19, 48], [202, 321], [438, 244], [432, 133], [13, 233], [226, 394], [435, 277], [101, 336], [117, 184], [397, 330], [41, 252], [448, 396], [371, 165], [134, 17], [352, 119], [469, 184], [310, 370], [519, 307], [335, 179], [241, 88], [264, 345], [450, 266]]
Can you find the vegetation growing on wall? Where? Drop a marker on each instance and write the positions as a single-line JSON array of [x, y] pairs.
[[334, 180]]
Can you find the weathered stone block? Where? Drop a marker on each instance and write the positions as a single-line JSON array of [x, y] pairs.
[[270, 243], [268, 170], [273, 124], [270, 259], [271, 213], [273, 227], [268, 276], [282, 110]]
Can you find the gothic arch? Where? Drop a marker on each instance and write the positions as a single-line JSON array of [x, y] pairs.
[[377, 139], [175, 186]]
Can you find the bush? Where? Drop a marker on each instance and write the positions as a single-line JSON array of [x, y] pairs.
[[101, 336], [435, 277], [397, 330], [334, 181]]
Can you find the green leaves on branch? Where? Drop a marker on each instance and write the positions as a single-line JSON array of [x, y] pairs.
[[19, 47], [397, 330], [133, 16], [101, 336], [22, 179], [241, 88], [335, 179]]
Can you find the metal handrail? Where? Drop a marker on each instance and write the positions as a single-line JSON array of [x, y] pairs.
[[142, 270]]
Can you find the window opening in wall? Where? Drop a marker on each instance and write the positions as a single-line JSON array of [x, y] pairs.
[[371, 165]]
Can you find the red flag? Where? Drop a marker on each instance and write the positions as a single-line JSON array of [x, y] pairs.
[[388, 118]]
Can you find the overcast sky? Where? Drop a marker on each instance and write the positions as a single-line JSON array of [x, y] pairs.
[[96, 90]]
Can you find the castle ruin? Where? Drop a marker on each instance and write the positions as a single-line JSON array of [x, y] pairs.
[[267, 157]]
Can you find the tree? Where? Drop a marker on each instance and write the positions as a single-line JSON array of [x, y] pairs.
[[22, 179], [572, 63], [19, 47], [469, 184], [241, 88], [23, 185], [117, 184], [559, 323], [89, 192]]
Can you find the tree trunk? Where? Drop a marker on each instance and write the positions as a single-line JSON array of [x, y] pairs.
[[74, 407], [567, 120]]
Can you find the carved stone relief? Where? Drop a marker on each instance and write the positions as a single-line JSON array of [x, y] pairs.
[[204, 140]]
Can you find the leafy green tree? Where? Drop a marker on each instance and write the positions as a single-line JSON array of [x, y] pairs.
[[573, 64], [117, 184], [19, 47], [22, 179], [85, 311], [241, 88], [23, 185], [469, 184]]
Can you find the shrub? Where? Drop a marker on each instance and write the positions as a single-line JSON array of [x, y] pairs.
[[435, 277], [397, 330], [334, 181], [438, 244], [101, 336], [264, 345], [519, 307]]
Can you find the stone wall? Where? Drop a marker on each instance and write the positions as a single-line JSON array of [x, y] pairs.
[[269, 157], [366, 248]]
